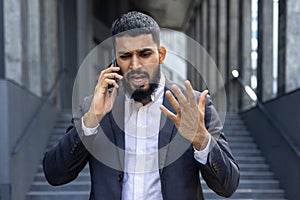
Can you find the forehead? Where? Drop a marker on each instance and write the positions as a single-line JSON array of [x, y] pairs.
[[130, 43]]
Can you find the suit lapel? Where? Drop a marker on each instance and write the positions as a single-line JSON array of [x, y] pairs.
[[166, 134], [118, 127]]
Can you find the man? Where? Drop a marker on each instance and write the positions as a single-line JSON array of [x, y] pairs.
[[133, 150]]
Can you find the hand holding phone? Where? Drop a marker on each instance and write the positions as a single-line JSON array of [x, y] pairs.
[[103, 99], [114, 63]]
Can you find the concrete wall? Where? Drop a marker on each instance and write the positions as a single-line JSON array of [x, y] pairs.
[[31, 43], [17, 107], [283, 160]]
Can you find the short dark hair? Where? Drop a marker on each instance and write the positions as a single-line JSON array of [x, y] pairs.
[[136, 23]]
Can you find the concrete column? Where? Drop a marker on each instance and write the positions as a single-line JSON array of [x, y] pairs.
[[292, 45], [199, 33], [192, 52], [212, 46], [212, 28], [245, 58], [13, 40], [233, 34], [87, 78], [221, 15], [2, 53], [282, 18], [233, 52], [49, 43], [265, 50], [84, 28], [222, 42], [204, 42], [33, 47], [68, 36]]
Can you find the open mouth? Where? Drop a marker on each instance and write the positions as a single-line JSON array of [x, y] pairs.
[[138, 80]]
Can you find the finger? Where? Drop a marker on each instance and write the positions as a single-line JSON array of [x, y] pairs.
[[112, 68], [108, 73], [179, 95], [168, 113], [113, 75], [191, 94], [108, 81], [202, 100], [173, 101]]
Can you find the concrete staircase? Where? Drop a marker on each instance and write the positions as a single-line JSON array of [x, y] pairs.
[[257, 180], [79, 189]]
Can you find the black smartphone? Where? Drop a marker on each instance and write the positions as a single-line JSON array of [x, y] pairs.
[[115, 64]]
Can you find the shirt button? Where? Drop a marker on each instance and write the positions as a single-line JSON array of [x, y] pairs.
[[120, 178], [140, 151]]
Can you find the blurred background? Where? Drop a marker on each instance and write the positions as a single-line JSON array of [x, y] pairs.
[[255, 45]]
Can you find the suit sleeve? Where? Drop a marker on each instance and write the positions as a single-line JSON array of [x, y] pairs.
[[221, 172], [68, 157]]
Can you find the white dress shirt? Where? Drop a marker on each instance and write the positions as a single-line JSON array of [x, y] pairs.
[[141, 167]]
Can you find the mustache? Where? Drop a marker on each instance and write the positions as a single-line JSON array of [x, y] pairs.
[[137, 72]]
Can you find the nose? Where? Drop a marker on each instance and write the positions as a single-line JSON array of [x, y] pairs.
[[135, 63]]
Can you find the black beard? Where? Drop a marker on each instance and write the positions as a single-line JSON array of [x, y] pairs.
[[142, 94]]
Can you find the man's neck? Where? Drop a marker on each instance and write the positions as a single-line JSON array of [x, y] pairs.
[[146, 100]]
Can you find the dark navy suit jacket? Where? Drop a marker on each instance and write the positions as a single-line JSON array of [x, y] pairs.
[[104, 153]]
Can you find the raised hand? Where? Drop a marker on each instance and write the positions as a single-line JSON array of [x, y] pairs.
[[189, 117], [103, 100]]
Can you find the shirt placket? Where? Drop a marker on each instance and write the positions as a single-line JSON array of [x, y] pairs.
[[140, 164]]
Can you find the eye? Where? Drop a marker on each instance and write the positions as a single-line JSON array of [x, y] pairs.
[[125, 56], [145, 54]]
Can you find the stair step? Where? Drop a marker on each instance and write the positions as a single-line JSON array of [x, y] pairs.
[[253, 184], [236, 127], [250, 160], [229, 123], [246, 145], [85, 169], [83, 176], [58, 195], [232, 198], [62, 129], [249, 194], [250, 175], [231, 133], [247, 152], [73, 186], [239, 139], [254, 167]]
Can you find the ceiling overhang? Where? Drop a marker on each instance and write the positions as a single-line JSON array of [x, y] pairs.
[[168, 13]]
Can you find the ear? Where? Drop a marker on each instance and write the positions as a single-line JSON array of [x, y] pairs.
[[162, 54]]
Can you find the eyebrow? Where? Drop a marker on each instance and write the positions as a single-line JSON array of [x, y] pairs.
[[142, 50]]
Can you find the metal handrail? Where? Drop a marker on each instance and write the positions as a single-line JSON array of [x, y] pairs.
[[275, 123], [45, 99]]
